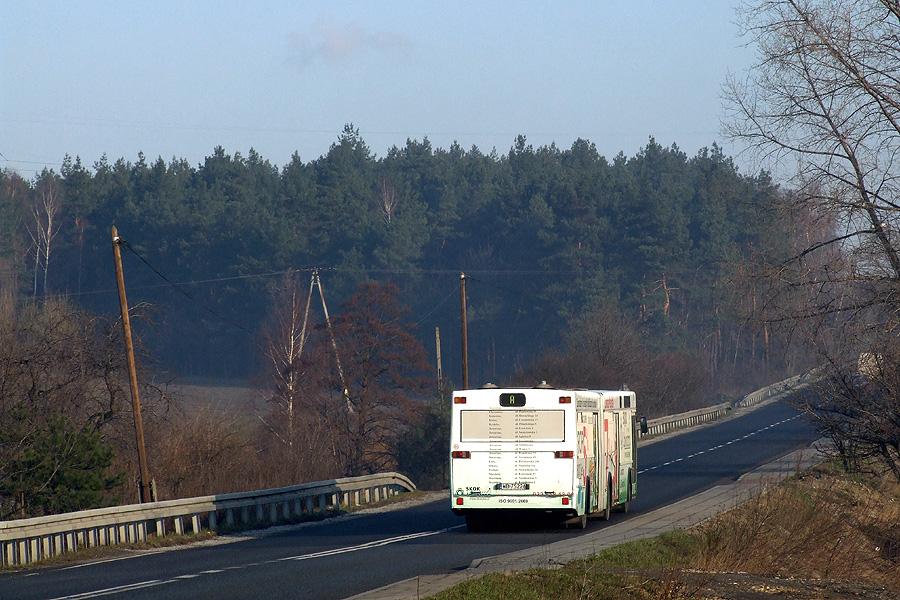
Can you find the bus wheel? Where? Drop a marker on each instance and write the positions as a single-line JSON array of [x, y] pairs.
[[475, 522], [608, 510], [576, 522]]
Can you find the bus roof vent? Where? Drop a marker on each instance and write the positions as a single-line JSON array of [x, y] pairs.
[[489, 386], [543, 386]]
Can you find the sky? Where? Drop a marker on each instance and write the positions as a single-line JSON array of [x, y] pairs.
[[176, 79]]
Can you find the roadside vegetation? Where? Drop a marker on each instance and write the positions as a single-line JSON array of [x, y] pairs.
[[820, 534], [638, 283]]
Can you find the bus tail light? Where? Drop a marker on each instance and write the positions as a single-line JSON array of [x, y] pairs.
[[564, 454], [459, 501], [565, 500], [461, 454], [565, 399], [459, 400]]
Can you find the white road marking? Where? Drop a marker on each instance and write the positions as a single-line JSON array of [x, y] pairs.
[[115, 590], [734, 441], [333, 552]]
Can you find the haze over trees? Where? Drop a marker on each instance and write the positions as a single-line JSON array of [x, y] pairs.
[[547, 235], [581, 271]]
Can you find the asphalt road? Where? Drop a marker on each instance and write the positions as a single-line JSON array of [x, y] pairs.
[[334, 560]]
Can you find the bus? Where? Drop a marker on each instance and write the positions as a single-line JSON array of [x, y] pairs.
[[568, 454]]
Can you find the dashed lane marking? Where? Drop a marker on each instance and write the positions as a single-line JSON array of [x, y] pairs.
[[720, 446]]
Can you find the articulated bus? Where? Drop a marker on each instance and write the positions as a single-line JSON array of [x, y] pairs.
[[529, 451]]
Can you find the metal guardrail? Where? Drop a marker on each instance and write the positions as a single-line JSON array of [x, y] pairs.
[[25, 541], [711, 413], [770, 391], [688, 419]]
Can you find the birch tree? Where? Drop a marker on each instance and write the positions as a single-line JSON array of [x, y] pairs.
[[43, 227], [284, 341]]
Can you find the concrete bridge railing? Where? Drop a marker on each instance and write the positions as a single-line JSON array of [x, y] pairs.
[[25, 541]]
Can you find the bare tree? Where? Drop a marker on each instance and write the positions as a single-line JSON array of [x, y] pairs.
[[606, 351], [824, 98], [284, 338], [385, 371], [61, 388], [42, 229], [387, 202]]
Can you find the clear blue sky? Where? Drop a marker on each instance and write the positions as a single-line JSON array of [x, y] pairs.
[[177, 79]]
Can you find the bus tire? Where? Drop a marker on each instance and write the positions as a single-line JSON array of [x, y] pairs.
[[475, 522]]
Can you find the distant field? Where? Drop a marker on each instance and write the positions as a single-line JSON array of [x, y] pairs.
[[220, 394]]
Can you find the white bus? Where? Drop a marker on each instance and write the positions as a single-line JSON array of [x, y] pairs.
[[567, 453]]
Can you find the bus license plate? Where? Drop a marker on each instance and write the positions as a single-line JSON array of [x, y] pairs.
[[512, 486]]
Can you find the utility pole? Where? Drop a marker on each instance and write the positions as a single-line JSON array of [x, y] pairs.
[[132, 372], [337, 357], [440, 374], [465, 334]]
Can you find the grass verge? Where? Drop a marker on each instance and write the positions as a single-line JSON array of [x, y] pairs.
[[820, 530]]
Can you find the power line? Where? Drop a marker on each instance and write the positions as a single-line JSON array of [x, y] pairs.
[[430, 272], [186, 294]]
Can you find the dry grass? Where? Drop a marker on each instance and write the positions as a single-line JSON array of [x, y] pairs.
[[822, 524], [816, 535]]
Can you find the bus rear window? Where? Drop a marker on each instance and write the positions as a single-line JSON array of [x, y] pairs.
[[512, 425]]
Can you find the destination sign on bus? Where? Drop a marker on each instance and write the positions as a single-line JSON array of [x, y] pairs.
[[510, 400]]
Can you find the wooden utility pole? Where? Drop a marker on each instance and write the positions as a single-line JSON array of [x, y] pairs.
[[337, 357], [132, 372], [465, 334], [440, 374]]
